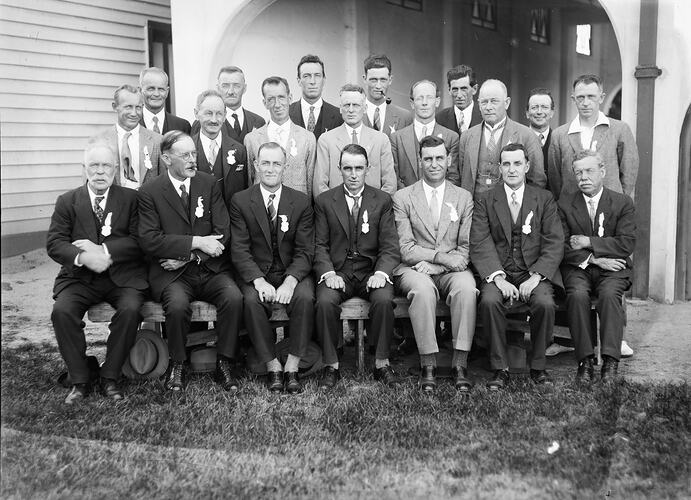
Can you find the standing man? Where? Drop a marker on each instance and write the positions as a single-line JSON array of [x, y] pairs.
[[380, 114], [356, 253], [139, 150], [184, 229], [600, 235], [517, 243], [154, 84], [465, 112], [381, 173], [433, 219], [311, 111], [424, 100], [591, 129], [299, 144], [539, 111], [273, 248], [479, 148], [93, 235]]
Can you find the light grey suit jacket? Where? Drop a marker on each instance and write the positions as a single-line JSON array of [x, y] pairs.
[[395, 118], [416, 235], [300, 152], [381, 173]]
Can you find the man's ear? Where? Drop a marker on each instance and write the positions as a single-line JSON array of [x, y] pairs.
[[508, 102], [115, 105]]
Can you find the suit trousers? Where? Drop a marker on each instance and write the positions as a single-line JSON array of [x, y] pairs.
[[423, 291], [329, 328], [493, 309], [580, 284], [300, 312], [70, 306], [198, 283]]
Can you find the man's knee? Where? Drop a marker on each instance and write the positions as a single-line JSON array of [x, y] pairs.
[[542, 302], [130, 303]]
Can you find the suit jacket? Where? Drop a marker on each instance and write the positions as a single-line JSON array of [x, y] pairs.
[[166, 230], [381, 174], [329, 118], [416, 235], [395, 119], [490, 233], [172, 122], [447, 118], [301, 152], [230, 168], [252, 121], [251, 252], [405, 150], [74, 219], [617, 238], [469, 150], [379, 244], [615, 144], [149, 149]]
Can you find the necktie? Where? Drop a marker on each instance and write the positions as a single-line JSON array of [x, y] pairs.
[[279, 135], [434, 208], [491, 143], [354, 137], [126, 157], [355, 211], [271, 210], [311, 122], [542, 139], [156, 129], [236, 124], [97, 208], [424, 132], [185, 198], [213, 151], [591, 212], [515, 207], [377, 124], [460, 122]]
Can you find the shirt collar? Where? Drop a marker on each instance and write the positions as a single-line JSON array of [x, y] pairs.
[[519, 193], [206, 140], [350, 129], [92, 196], [575, 127], [149, 116], [430, 126], [467, 112], [177, 184], [348, 193], [595, 198], [121, 131], [306, 106], [274, 127], [496, 126], [266, 193], [428, 190]]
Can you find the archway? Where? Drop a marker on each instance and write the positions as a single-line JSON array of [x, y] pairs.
[[682, 288]]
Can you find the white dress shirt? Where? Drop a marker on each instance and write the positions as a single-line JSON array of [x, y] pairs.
[[487, 129], [305, 107], [370, 113], [149, 119], [419, 126], [279, 133], [206, 146], [241, 116], [467, 115], [133, 143], [519, 199], [544, 135], [266, 193], [440, 195], [587, 132], [177, 184], [358, 131]]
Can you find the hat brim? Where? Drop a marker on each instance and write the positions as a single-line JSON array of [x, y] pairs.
[[161, 363], [94, 368]]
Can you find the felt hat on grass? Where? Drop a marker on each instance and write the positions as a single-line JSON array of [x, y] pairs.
[[148, 358], [309, 363], [203, 359], [94, 368]]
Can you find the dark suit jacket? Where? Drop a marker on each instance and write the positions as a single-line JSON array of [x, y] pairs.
[[379, 244], [252, 121], [447, 118], [251, 233], [490, 233], [329, 118], [166, 231], [230, 168], [172, 122], [74, 219], [616, 211]]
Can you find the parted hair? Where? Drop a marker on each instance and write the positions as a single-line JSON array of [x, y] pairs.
[[431, 141], [539, 91], [353, 149], [271, 145], [230, 69], [275, 80], [588, 153], [514, 146], [377, 61], [129, 88], [587, 79], [311, 58], [170, 138], [207, 93], [459, 72], [419, 82]]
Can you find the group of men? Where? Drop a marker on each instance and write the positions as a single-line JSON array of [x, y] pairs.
[[324, 203]]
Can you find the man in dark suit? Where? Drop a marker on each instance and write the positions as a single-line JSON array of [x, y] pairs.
[[600, 235], [311, 111], [516, 245], [154, 84], [356, 253], [380, 114], [273, 248], [184, 228], [92, 235], [539, 111], [465, 112]]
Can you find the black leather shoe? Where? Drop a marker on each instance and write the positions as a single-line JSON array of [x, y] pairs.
[[500, 379], [225, 376], [274, 381], [292, 383], [330, 377], [460, 379], [540, 377], [428, 378], [610, 367], [585, 373], [109, 388], [386, 376], [175, 381], [77, 393]]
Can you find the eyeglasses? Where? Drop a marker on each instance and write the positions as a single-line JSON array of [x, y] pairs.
[[189, 156]]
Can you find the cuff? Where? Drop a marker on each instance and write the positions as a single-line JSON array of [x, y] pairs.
[[325, 275], [76, 260], [386, 276], [542, 278], [491, 277], [105, 249]]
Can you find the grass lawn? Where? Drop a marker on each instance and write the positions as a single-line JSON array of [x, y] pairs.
[[361, 440]]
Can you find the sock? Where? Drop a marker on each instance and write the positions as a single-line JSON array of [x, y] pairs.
[[428, 359], [292, 363], [460, 359], [381, 363], [221, 357], [334, 365], [274, 366]]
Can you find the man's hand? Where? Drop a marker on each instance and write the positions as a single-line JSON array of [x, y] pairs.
[[284, 293], [88, 246], [267, 293], [508, 291], [335, 282], [427, 268], [609, 264], [208, 244], [377, 280], [528, 286], [449, 261], [96, 261], [172, 264], [578, 242]]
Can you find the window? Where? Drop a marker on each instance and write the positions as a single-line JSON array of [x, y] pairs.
[[407, 4], [583, 39], [485, 14], [540, 25], [161, 53]]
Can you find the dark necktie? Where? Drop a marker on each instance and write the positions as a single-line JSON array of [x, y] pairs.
[[236, 124], [126, 157], [156, 129], [355, 211], [185, 198], [311, 121], [271, 210], [97, 208], [377, 124]]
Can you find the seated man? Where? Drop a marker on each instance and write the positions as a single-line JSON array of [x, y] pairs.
[[600, 234], [356, 252], [516, 245], [183, 228], [92, 235], [273, 247], [433, 219]]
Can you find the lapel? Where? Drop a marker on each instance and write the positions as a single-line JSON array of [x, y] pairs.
[[474, 147], [599, 135], [580, 210], [501, 207], [293, 142], [113, 205], [391, 120], [259, 211], [510, 133], [340, 208], [285, 207], [450, 197], [173, 199], [195, 194], [202, 162], [343, 139], [419, 204], [297, 115], [145, 142], [529, 205], [603, 208], [85, 213], [410, 147], [575, 141]]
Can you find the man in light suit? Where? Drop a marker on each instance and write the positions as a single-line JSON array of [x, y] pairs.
[[599, 235], [465, 112], [93, 235], [184, 229], [299, 144], [154, 84], [356, 253], [424, 99], [479, 147], [139, 149], [380, 114], [433, 219], [381, 174], [516, 245], [311, 111], [591, 129]]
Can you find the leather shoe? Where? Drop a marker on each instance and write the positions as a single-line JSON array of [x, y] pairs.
[[330, 377], [460, 379], [77, 393], [540, 377], [225, 376], [175, 381], [386, 375], [274, 381], [499, 380], [292, 383], [610, 367], [109, 388], [585, 373], [428, 378]]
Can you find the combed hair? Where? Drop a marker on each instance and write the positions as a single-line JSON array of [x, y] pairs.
[[207, 93], [431, 141], [352, 87], [539, 91], [587, 79], [514, 146], [129, 88], [419, 82], [353, 149], [229, 69], [271, 145], [275, 80], [170, 138], [310, 58], [588, 153], [152, 69], [459, 72], [377, 61], [98, 142]]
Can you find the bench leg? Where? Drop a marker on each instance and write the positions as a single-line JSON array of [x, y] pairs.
[[360, 345], [595, 332]]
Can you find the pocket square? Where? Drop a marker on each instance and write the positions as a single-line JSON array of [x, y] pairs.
[[239, 168]]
